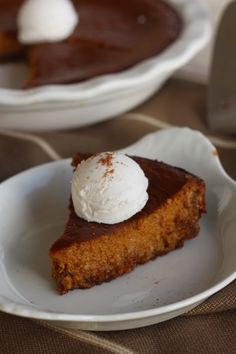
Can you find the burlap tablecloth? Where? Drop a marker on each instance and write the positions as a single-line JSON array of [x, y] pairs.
[[209, 328]]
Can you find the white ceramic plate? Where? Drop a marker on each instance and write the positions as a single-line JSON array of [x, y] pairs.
[[33, 209], [68, 106]]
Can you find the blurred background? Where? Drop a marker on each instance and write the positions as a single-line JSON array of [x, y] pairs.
[[198, 68]]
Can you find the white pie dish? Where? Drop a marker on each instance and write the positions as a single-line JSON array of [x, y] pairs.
[[33, 208], [68, 106]]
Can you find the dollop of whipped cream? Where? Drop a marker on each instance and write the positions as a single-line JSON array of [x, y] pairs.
[[108, 188], [46, 20]]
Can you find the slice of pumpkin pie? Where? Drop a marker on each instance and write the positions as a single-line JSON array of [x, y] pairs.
[[124, 211]]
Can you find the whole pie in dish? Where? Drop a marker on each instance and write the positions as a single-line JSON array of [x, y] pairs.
[[111, 36], [89, 253]]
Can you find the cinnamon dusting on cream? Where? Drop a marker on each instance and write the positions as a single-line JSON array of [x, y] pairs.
[[107, 160], [108, 163]]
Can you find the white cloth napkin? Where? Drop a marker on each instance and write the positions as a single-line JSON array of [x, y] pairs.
[[198, 68]]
